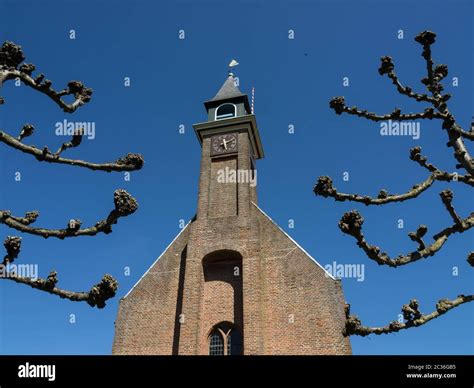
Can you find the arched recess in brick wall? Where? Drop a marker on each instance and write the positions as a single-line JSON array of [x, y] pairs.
[[222, 307]]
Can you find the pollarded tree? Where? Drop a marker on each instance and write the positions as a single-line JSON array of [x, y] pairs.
[[351, 222], [13, 68]]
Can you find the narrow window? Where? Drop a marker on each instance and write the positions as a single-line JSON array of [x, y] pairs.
[[229, 344], [234, 343], [216, 344]]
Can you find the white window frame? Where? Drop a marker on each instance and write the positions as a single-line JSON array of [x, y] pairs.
[[226, 116]]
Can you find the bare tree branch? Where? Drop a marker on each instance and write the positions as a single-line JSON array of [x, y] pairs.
[[96, 297], [75, 142], [131, 162], [29, 218], [415, 155], [460, 151], [439, 101], [339, 106], [470, 259], [12, 245], [125, 205], [432, 82], [324, 187], [387, 67], [11, 56], [351, 224], [467, 135], [447, 199], [412, 316], [426, 39]]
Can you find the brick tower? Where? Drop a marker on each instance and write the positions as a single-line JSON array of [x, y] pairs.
[[232, 281]]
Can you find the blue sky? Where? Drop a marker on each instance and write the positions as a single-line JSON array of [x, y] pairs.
[[294, 80]]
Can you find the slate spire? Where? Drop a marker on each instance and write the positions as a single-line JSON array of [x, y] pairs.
[[228, 90]]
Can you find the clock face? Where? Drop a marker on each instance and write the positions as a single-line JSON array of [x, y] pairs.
[[223, 144]]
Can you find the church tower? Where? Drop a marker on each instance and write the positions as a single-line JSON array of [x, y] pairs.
[[232, 282]]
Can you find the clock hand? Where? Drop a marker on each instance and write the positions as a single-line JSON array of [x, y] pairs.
[[224, 142]]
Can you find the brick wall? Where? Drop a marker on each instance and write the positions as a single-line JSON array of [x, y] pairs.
[[222, 195], [146, 320], [303, 307]]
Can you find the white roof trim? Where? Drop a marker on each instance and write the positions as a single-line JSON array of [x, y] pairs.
[[159, 257], [294, 242]]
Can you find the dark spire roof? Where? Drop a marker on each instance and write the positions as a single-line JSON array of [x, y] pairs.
[[228, 90]]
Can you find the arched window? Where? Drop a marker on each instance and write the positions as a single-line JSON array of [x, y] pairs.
[[216, 343], [225, 111], [225, 340]]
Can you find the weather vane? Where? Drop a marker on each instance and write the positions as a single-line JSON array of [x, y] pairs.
[[232, 64]]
